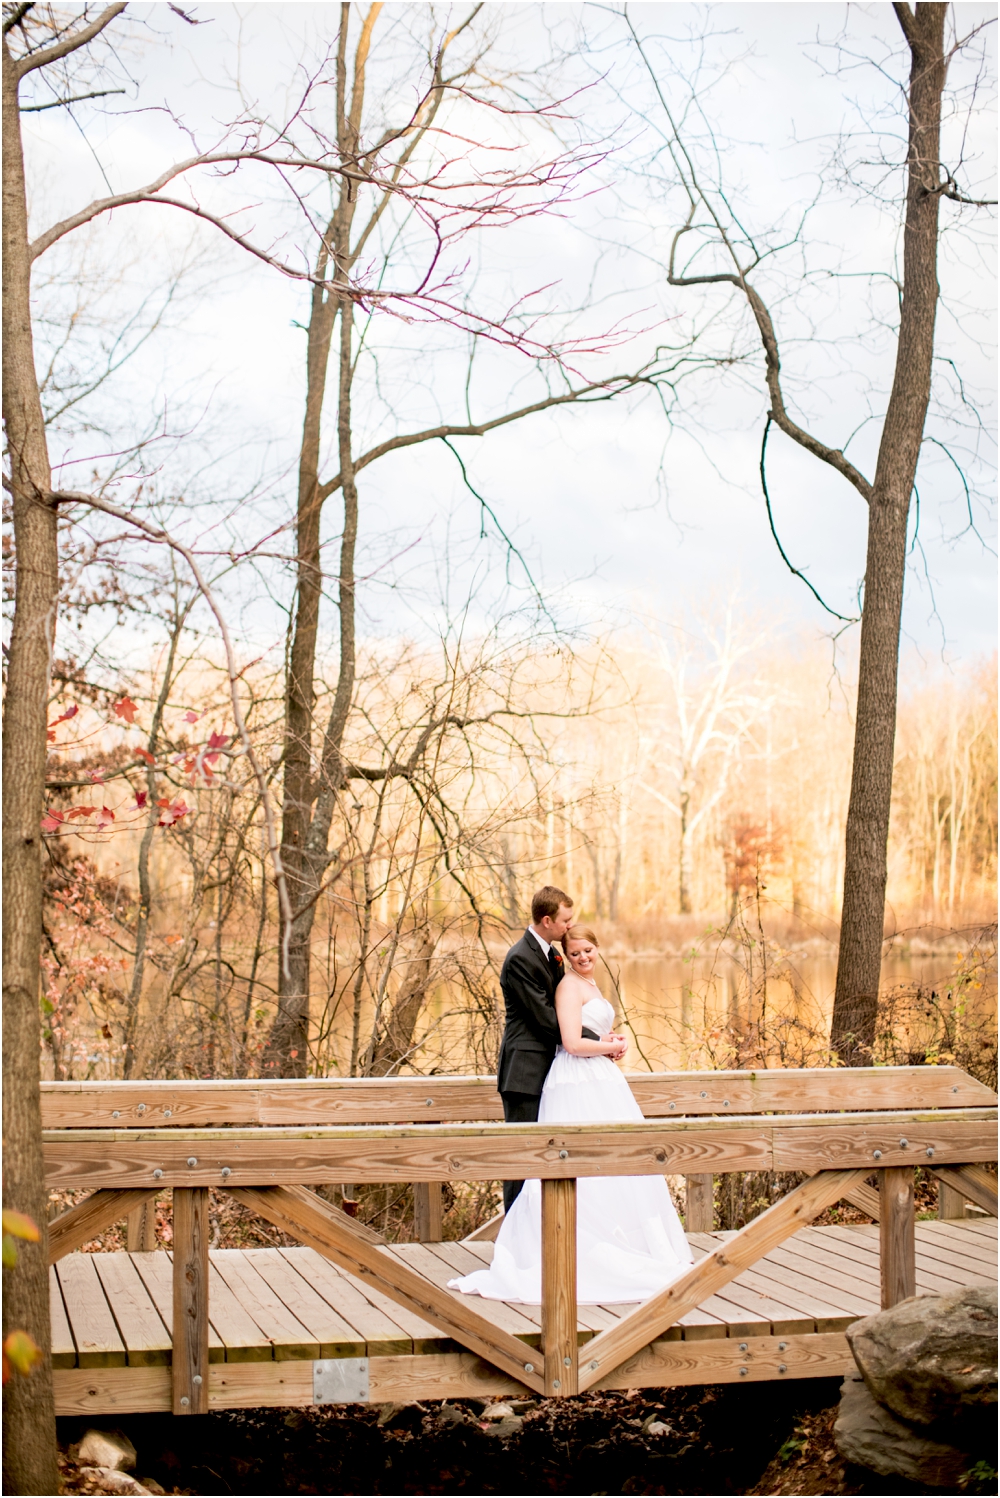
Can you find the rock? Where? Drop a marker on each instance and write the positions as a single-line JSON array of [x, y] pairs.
[[932, 1358], [499, 1411], [510, 1425], [657, 1428], [111, 1480], [150, 1484], [871, 1436], [105, 1448]]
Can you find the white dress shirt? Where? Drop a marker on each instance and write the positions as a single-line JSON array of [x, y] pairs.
[[545, 945]]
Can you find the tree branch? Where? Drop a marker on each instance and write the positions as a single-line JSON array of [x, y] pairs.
[[69, 44], [104, 93], [163, 538]]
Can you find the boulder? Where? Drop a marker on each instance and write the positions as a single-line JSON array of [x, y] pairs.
[[105, 1448], [112, 1480], [871, 1436], [932, 1358]]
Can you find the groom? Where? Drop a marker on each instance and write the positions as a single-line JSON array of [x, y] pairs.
[[528, 979]]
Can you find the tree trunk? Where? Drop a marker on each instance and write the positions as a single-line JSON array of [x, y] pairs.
[[859, 965], [29, 1460]]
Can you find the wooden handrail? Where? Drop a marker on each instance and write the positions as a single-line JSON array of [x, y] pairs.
[[362, 1100], [436, 1152]]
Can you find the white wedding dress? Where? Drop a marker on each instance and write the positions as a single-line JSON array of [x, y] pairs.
[[629, 1240]]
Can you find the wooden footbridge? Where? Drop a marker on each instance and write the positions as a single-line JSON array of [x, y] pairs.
[[349, 1318]]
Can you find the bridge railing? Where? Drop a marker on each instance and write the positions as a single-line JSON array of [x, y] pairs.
[[268, 1142]]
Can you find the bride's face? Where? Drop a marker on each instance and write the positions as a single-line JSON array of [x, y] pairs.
[[582, 957]]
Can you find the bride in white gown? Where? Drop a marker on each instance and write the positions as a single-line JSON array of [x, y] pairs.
[[630, 1243]]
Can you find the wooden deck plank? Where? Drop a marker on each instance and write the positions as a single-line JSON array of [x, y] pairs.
[[383, 1336], [63, 1346], [140, 1325], [970, 1245], [976, 1261], [286, 1333], [336, 1337], [857, 1276], [421, 1257], [784, 1319], [98, 1343], [985, 1227], [851, 1259], [934, 1265], [803, 1293], [156, 1271], [780, 1270]]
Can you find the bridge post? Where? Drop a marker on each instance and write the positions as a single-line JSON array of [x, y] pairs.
[[428, 1213], [190, 1330], [897, 1235], [699, 1208], [559, 1347]]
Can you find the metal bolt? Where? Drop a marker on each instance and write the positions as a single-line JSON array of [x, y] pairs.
[[593, 1367], [428, 1102], [903, 1143], [743, 1347], [556, 1384], [673, 1105], [529, 1367], [567, 1362], [196, 1379], [929, 1152], [225, 1172], [782, 1368], [157, 1175], [725, 1102], [564, 1154], [192, 1160], [141, 1108], [167, 1112], [782, 1346], [704, 1094], [185, 1400], [116, 1114], [744, 1372], [876, 1154]]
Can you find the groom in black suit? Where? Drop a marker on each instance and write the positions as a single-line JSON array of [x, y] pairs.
[[528, 979]]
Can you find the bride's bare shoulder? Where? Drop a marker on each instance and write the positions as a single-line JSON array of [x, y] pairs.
[[568, 984]]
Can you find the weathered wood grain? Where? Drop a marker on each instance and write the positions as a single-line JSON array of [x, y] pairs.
[[302, 1214], [716, 1270], [973, 1182], [157, 1274], [111, 1391], [147, 1340], [63, 1346], [140, 1231], [190, 1301], [699, 1205], [266, 1156], [671, 1364], [428, 1214], [454, 1099], [559, 1345], [897, 1245], [100, 1211], [288, 1336], [98, 1344]]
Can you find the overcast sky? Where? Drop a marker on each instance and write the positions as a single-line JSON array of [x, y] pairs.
[[619, 509]]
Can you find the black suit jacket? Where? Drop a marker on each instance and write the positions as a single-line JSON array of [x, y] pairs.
[[531, 1032]]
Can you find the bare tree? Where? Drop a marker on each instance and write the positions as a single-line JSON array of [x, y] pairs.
[[887, 495]]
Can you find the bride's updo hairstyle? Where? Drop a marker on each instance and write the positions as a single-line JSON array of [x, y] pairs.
[[579, 933]]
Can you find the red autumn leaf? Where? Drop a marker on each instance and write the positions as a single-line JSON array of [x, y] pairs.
[[141, 800], [70, 712], [97, 776], [191, 717], [145, 754], [79, 811], [171, 812], [210, 759], [125, 708], [105, 816], [51, 820], [218, 740]]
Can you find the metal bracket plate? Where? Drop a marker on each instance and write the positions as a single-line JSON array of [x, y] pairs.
[[340, 1381]]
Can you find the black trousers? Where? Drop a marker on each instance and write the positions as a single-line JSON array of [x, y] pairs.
[[518, 1107]]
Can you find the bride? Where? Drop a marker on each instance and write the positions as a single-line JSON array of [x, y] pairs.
[[630, 1243]]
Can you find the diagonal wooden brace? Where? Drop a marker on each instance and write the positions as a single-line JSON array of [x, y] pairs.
[[772, 1227], [307, 1217], [974, 1182], [88, 1218]]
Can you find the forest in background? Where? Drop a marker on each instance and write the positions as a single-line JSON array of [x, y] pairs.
[[685, 783]]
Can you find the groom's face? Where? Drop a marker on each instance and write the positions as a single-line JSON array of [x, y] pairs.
[[554, 928]]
